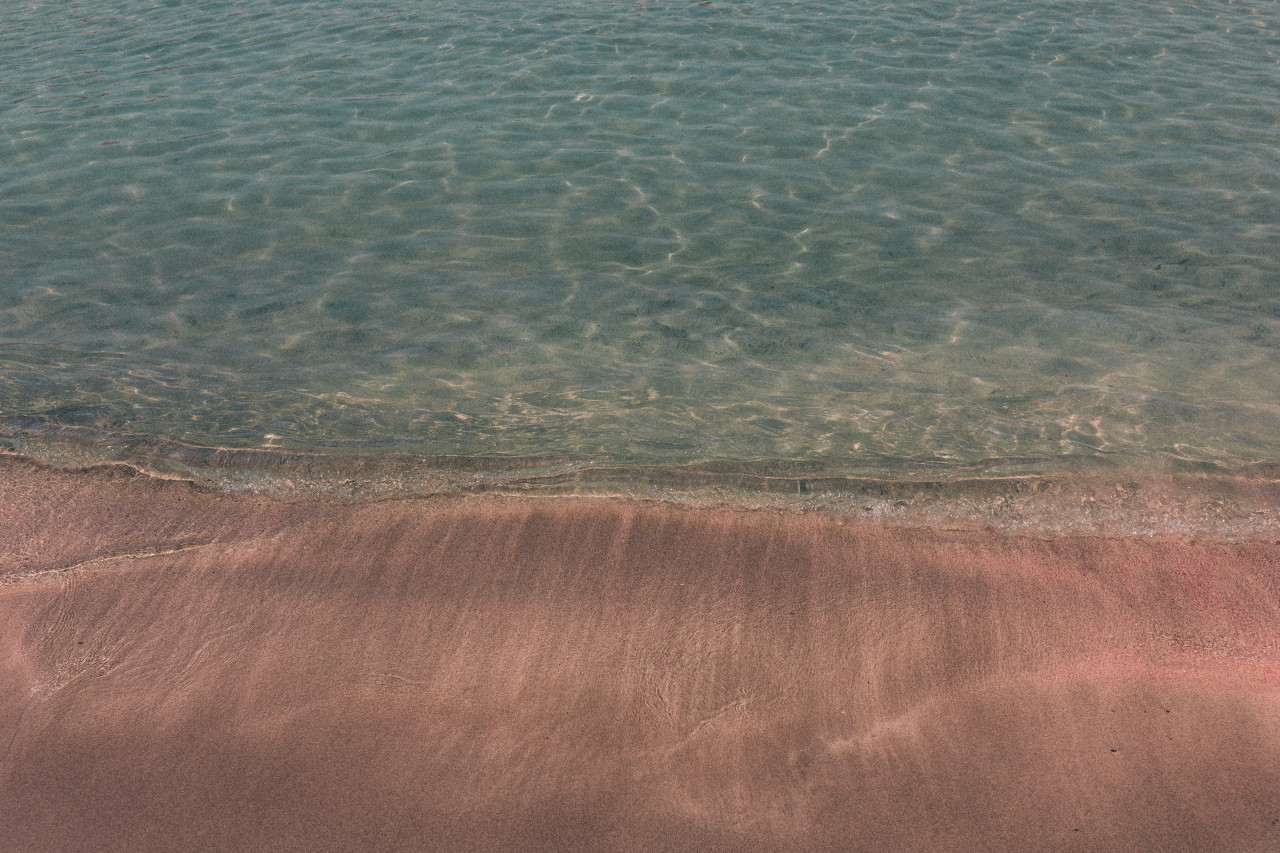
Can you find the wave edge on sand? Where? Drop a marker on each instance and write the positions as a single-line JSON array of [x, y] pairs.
[[1052, 497]]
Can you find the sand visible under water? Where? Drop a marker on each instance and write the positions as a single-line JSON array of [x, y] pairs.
[[184, 670]]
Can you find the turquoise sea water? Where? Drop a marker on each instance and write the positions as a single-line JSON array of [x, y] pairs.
[[812, 235]]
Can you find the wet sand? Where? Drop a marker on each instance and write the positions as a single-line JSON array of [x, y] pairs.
[[188, 671]]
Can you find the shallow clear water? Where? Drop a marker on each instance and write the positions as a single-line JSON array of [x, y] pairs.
[[648, 233]]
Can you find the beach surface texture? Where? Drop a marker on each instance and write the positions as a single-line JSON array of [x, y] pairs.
[[195, 671]]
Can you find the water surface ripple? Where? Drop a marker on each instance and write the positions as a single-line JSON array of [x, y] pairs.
[[648, 232]]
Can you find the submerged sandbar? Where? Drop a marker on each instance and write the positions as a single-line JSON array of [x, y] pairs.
[[190, 670]]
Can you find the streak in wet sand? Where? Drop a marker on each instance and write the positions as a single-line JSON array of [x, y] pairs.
[[185, 670]]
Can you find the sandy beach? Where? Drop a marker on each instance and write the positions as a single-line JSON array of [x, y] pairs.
[[189, 671]]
